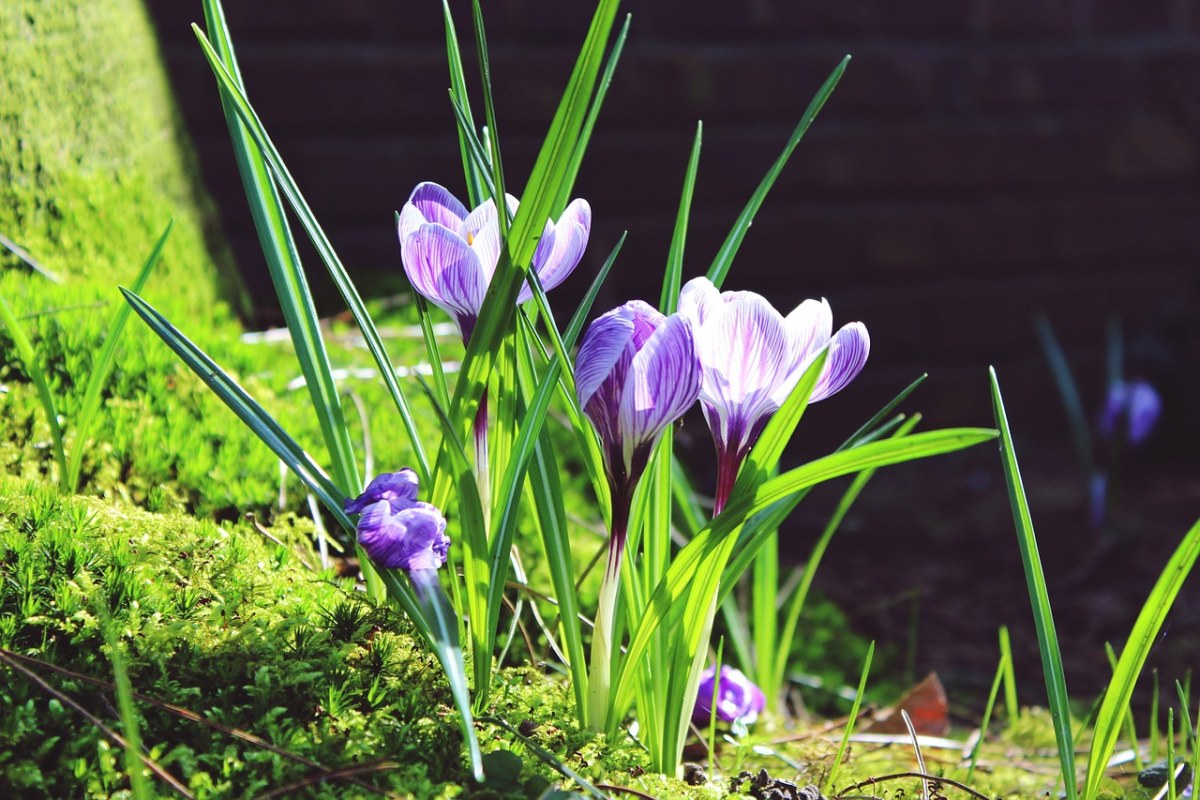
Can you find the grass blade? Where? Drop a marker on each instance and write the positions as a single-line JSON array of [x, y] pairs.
[[285, 269], [248, 411], [858, 697], [28, 356], [1068, 393], [1043, 617], [1134, 653], [230, 89], [724, 258], [103, 367], [673, 279], [432, 605]]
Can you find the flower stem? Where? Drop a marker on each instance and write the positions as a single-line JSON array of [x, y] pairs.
[[600, 673], [728, 464]]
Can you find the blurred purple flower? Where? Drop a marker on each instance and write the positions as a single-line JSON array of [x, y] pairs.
[[396, 530], [753, 357], [636, 373], [1131, 407], [450, 255], [734, 695]]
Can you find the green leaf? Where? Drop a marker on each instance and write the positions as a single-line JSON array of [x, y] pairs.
[[1043, 617], [29, 358], [103, 366], [724, 258], [283, 264], [426, 600], [673, 279], [709, 549], [248, 411], [1133, 657], [230, 90]]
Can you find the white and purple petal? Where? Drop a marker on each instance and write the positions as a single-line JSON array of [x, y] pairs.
[[446, 271], [809, 327], [430, 202], [561, 247], [662, 384], [848, 351]]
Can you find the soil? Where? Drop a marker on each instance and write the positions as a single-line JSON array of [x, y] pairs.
[[929, 560]]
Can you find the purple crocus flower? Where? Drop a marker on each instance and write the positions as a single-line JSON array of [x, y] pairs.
[[450, 255], [396, 530], [753, 357], [1132, 407], [735, 696], [637, 372]]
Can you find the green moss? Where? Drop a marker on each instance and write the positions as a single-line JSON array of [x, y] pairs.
[[93, 160], [217, 620]]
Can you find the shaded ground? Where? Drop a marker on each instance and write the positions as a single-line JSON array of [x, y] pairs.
[[929, 561]]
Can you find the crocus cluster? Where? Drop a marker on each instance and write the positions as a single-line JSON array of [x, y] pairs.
[[450, 254], [734, 696], [396, 530], [639, 371]]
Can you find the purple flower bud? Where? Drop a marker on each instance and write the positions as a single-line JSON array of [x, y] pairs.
[[734, 695], [636, 373], [396, 530], [1132, 407], [450, 255], [398, 488]]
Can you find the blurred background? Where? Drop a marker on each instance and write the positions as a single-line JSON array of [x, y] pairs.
[[981, 161]]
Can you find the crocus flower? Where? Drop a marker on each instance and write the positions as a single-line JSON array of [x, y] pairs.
[[735, 697], [450, 255], [753, 357], [396, 530], [636, 373], [1132, 407]]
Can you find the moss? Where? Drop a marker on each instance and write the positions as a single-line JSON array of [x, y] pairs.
[[220, 621], [93, 161]]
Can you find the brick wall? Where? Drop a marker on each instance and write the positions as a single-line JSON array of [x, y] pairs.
[[980, 160]]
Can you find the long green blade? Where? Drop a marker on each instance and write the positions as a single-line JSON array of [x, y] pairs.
[[103, 367], [724, 258], [38, 376], [248, 411], [229, 89], [283, 264], [427, 600], [1133, 657], [1043, 617]]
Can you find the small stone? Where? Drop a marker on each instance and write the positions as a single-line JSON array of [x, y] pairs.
[[693, 775]]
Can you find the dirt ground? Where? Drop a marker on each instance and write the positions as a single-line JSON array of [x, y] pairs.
[[929, 561]]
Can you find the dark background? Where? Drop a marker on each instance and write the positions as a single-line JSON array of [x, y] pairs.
[[980, 160]]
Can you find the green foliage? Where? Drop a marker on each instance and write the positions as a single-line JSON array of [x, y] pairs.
[[217, 620]]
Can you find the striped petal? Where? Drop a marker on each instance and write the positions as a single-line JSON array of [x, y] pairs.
[[603, 344], [446, 271], [663, 383], [430, 202], [698, 299], [561, 247], [848, 351]]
